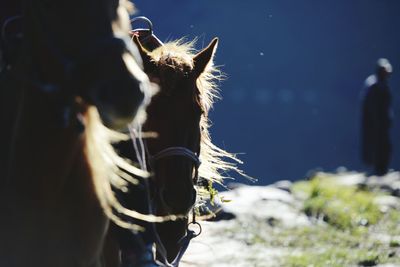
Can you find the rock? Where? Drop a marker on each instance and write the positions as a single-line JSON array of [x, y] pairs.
[[264, 202], [369, 262], [387, 202], [217, 250], [222, 216], [232, 186], [396, 192], [389, 183], [272, 221], [392, 254], [285, 185], [351, 179]]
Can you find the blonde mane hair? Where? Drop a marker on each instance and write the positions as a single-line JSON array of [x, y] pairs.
[[109, 170], [215, 162]]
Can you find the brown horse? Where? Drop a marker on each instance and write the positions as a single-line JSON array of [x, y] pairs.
[[74, 71], [178, 114]]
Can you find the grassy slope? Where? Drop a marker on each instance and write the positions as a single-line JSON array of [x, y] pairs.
[[349, 230]]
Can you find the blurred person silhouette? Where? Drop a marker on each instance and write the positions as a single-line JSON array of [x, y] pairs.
[[377, 119]]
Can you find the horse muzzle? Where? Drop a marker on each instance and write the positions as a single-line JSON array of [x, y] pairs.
[[121, 98]]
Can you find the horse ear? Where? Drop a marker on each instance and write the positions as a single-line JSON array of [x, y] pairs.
[[203, 58], [148, 63]]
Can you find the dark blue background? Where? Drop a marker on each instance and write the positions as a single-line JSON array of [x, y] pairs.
[[295, 71]]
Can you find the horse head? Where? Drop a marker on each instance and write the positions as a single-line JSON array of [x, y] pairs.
[[82, 48], [175, 115]]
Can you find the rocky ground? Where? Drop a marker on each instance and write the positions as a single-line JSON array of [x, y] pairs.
[[268, 226]]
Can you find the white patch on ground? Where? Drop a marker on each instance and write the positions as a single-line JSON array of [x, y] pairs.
[[216, 248], [264, 202], [223, 244]]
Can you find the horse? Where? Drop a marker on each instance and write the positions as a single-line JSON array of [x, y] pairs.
[[76, 73], [178, 118]]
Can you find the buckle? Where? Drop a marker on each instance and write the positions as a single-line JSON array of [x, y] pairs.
[[146, 35]]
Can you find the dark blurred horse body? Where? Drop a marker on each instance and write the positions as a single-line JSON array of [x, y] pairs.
[[74, 71]]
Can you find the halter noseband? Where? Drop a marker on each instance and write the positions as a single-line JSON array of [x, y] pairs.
[[179, 151]]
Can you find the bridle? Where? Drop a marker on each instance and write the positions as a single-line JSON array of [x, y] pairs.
[[179, 151], [142, 153], [146, 35], [151, 161], [190, 234], [151, 42]]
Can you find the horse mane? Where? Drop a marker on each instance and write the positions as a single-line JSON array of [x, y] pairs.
[[216, 162], [110, 170]]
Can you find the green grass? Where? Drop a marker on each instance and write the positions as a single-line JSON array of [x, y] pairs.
[[321, 245], [350, 236], [328, 246], [344, 207], [334, 257], [348, 229]]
